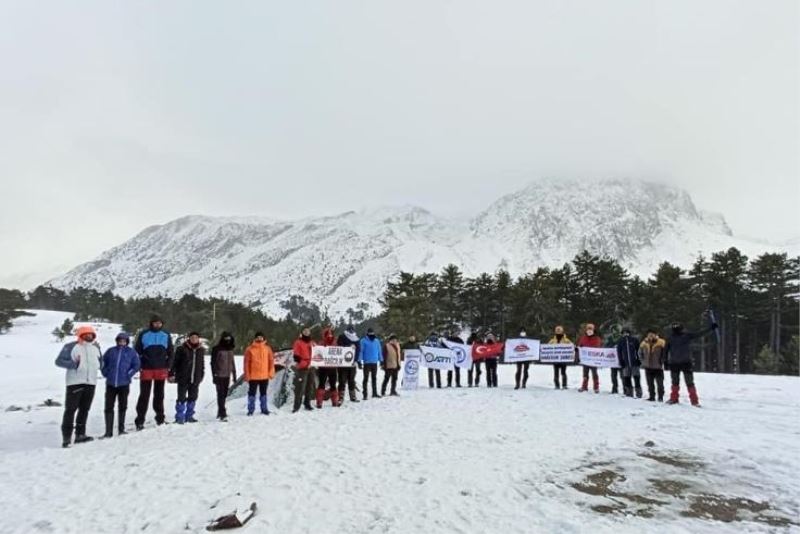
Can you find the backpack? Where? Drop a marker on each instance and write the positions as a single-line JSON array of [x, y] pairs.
[[64, 358]]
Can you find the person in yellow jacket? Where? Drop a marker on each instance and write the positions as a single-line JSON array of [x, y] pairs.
[[259, 369], [559, 338]]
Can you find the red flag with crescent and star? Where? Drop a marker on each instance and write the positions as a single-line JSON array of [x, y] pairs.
[[481, 351]]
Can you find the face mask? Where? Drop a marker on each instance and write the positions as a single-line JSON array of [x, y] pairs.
[[590, 332], [522, 334]]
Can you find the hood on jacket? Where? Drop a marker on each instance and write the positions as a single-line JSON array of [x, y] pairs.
[[83, 330], [226, 341], [123, 335], [327, 337]]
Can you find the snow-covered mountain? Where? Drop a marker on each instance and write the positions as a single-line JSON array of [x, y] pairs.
[[340, 261]]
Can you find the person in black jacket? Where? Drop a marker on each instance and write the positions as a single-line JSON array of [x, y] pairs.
[[433, 341], [629, 363], [155, 349], [491, 363], [187, 372], [347, 375], [454, 338], [679, 359], [475, 370], [223, 371]]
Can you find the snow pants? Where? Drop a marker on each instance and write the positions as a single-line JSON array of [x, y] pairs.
[[476, 371], [560, 368], [614, 380], [188, 392], [389, 375], [144, 399], [450, 378], [79, 398], [222, 385], [326, 375], [347, 377], [675, 371], [595, 378], [119, 396], [370, 376], [521, 374], [437, 374], [491, 372], [655, 383], [303, 387]]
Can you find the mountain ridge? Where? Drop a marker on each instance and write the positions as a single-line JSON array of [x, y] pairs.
[[338, 261]]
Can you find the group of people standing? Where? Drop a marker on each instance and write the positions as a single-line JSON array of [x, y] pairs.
[[157, 362]]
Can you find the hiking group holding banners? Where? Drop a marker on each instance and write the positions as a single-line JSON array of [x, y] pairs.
[[327, 368]]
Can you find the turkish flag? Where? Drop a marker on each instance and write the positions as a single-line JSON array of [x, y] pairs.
[[481, 351]]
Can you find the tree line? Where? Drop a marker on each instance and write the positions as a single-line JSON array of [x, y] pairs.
[[208, 316], [755, 303]]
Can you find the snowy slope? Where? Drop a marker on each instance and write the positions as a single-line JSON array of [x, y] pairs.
[[342, 260], [451, 460]]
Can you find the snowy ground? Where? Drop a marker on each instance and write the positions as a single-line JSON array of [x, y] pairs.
[[454, 460]]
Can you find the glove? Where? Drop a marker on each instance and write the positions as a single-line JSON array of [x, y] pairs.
[[171, 379], [714, 326], [360, 366]]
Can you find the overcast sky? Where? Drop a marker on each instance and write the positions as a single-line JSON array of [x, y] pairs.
[[118, 115]]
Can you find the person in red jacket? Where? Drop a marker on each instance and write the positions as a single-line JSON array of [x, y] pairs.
[[303, 378], [327, 374], [590, 338]]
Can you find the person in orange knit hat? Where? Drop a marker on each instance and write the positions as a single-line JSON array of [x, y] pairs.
[[259, 369]]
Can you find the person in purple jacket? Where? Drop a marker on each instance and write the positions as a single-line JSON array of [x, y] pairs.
[[120, 364]]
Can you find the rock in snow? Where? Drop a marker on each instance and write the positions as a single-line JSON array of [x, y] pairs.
[[340, 261]]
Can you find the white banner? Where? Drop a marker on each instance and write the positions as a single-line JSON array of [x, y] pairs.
[[521, 350], [605, 357], [333, 356], [411, 367], [463, 354], [559, 353], [438, 358]]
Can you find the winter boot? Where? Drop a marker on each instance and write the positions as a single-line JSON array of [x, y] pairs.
[[558, 386], [308, 406], [109, 425], [335, 398], [320, 398], [83, 438], [190, 412], [584, 384], [638, 391], [614, 389], [353, 396], [264, 408], [693, 396], [121, 423], [180, 412], [251, 404], [674, 395]]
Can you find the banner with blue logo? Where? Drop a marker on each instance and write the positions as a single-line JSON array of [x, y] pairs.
[[462, 352], [411, 367], [438, 358]]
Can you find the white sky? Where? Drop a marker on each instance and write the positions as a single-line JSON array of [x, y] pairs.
[[118, 115]]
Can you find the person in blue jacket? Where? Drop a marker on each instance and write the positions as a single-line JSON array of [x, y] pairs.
[[155, 349], [369, 356], [120, 364], [629, 363]]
